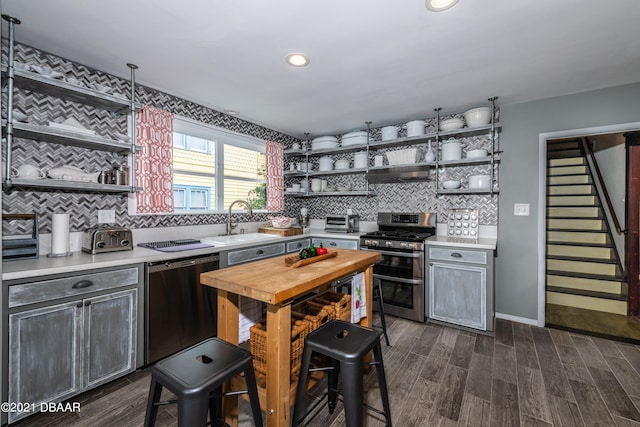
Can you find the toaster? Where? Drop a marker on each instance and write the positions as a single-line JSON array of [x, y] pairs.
[[107, 238], [342, 224]]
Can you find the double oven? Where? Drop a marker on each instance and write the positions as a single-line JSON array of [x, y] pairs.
[[401, 271]]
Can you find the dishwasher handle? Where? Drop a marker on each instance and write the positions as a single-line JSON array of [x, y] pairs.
[[181, 263]]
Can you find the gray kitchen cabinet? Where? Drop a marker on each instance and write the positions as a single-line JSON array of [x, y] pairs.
[[335, 243], [460, 288], [240, 256], [298, 245], [69, 334]]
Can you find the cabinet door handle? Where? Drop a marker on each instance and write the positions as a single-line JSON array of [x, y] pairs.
[[79, 305], [82, 284], [333, 244], [259, 252], [87, 303], [456, 254]]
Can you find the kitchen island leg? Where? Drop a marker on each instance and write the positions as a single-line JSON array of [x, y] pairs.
[[278, 365], [228, 328]]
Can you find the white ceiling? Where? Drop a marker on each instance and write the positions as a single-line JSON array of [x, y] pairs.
[[387, 61]]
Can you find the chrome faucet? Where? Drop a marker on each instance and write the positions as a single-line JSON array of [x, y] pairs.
[[230, 226]]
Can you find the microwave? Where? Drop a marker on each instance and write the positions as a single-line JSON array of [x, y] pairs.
[[342, 224]]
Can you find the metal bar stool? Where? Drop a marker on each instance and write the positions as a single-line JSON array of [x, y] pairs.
[[196, 375], [346, 346], [377, 296]]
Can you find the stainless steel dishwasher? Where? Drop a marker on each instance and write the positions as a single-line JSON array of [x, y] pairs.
[[179, 310]]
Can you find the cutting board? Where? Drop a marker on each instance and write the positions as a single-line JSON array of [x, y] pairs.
[[294, 261], [284, 232]]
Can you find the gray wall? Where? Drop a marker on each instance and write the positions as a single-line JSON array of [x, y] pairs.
[[516, 292]]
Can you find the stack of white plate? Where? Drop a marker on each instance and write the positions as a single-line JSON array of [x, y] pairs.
[[324, 143]]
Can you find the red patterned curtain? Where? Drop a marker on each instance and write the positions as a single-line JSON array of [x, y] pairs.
[[154, 164], [275, 176]]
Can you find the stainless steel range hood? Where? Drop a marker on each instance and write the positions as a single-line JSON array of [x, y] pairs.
[[399, 174]]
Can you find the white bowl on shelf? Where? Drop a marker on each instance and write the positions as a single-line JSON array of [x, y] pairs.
[[480, 116], [451, 124], [479, 182], [451, 184], [477, 154]]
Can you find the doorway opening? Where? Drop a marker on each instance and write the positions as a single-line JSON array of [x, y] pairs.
[[584, 280]]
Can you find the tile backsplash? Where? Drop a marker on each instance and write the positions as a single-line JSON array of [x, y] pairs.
[[83, 207]]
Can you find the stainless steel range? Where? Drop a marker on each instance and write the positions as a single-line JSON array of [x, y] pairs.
[[401, 271]]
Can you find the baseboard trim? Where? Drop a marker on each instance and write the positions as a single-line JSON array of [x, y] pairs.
[[525, 320]]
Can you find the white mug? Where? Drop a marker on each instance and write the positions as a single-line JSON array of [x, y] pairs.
[[323, 185], [296, 187], [28, 171], [295, 146], [378, 160]]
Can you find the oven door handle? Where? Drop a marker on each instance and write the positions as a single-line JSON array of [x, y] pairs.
[[402, 254], [398, 279]]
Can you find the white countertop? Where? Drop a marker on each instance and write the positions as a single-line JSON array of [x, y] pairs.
[[481, 243], [80, 261]]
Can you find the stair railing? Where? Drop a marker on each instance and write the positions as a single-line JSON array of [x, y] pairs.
[[587, 149]]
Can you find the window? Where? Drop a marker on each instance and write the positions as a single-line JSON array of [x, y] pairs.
[[213, 167], [190, 198]]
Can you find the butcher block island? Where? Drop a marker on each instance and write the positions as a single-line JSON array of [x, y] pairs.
[[273, 282]]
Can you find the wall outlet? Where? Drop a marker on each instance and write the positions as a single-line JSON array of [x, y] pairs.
[[106, 216], [521, 209]]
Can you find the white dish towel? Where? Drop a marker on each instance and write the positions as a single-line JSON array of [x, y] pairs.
[[358, 298]]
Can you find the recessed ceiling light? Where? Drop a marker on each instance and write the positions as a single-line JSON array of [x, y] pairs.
[[439, 5], [297, 60]]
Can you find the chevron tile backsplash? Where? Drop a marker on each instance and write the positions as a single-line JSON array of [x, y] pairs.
[[415, 196]]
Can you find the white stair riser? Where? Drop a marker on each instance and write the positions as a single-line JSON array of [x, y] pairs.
[[567, 170], [580, 251], [569, 179], [594, 285], [575, 224], [582, 267], [571, 200], [566, 161], [586, 212], [569, 237], [586, 189], [589, 303]]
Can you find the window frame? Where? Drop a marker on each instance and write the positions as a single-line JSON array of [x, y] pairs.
[[188, 189], [218, 138]]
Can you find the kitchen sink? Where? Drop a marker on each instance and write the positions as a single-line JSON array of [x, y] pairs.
[[238, 238]]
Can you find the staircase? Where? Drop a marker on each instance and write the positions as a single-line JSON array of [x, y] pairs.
[[583, 269]]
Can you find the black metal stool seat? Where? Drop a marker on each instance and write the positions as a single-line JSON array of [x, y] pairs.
[[196, 375], [346, 345]]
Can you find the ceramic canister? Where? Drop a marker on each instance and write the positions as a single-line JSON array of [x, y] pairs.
[[361, 160], [452, 150]]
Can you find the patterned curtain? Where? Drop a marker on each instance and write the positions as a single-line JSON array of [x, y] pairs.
[[275, 176], [154, 164]]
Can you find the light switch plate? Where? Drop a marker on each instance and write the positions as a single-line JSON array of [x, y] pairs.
[[106, 216], [521, 209]]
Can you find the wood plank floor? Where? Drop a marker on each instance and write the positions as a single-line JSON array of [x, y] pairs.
[[444, 376]]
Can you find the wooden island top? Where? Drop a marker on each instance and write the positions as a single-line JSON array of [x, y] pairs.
[[272, 282]]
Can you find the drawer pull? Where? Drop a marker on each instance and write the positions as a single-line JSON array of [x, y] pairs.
[[82, 284], [456, 254], [333, 244], [259, 252]]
